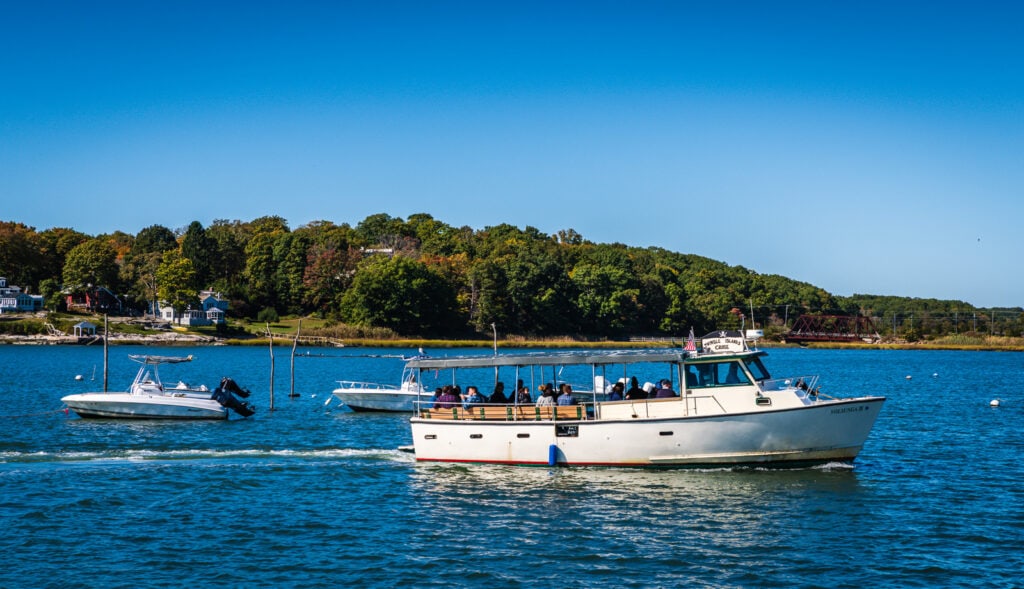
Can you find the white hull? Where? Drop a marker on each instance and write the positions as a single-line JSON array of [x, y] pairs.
[[142, 406], [820, 433], [363, 399]]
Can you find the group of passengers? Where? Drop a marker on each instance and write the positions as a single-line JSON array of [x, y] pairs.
[[450, 396], [663, 390]]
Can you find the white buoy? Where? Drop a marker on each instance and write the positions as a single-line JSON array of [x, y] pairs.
[[909, 377], [993, 403], [79, 377], [935, 375]]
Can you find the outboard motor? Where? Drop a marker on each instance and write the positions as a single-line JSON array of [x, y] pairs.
[[229, 385], [225, 395]]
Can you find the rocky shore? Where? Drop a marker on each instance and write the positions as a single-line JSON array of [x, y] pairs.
[[162, 338]]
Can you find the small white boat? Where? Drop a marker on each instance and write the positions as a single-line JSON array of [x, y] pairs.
[[369, 396], [729, 411], [148, 398]]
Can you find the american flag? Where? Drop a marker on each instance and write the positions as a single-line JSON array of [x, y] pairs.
[[691, 344]]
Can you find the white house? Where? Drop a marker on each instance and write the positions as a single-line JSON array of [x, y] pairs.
[[12, 300], [84, 328], [212, 311]]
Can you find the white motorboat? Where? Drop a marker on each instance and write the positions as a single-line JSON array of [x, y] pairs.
[[148, 398], [729, 411], [368, 396]]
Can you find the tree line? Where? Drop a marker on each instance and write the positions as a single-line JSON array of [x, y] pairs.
[[423, 277]]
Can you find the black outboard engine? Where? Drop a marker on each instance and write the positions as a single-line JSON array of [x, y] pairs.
[[229, 385], [225, 395]]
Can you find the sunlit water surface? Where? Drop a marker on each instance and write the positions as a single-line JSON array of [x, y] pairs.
[[317, 496]]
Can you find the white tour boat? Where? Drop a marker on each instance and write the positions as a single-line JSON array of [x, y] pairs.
[[729, 411], [148, 398]]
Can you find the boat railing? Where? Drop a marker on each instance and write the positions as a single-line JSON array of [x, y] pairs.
[[807, 383], [355, 384]]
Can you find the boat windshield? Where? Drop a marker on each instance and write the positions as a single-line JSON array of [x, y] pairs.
[[758, 370]]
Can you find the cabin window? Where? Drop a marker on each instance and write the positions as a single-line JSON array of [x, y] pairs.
[[522, 435], [758, 370], [713, 374], [475, 436]]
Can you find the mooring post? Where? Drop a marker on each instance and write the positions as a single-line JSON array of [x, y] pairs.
[[295, 344], [105, 353], [270, 338]]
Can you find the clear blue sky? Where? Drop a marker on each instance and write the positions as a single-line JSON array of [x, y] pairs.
[[862, 147]]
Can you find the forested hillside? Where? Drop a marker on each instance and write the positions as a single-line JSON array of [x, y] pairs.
[[420, 276]]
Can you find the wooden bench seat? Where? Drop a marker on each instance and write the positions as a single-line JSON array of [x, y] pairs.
[[509, 413]]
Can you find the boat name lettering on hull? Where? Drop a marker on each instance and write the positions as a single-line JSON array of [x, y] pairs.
[[850, 409]]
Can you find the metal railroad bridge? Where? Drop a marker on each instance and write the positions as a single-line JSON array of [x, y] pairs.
[[832, 328]]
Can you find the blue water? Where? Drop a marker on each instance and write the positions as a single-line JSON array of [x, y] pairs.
[[315, 496]]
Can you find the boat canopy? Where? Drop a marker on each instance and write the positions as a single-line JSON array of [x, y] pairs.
[[144, 359], [591, 357]]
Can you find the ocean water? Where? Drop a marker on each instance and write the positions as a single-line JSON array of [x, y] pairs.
[[317, 496]]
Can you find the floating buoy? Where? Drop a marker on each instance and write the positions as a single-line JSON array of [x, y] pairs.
[[909, 377], [935, 375], [993, 403], [79, 377]]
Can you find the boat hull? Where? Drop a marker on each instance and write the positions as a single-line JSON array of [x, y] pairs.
[[380, 399], [816, 434], [129, 406]]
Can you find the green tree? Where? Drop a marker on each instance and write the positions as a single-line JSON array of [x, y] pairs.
[[290, 260], [92, 263], [20, 254], [51, 292], [55, 245], [402, 295], [607, 299], [261, 268], [380, 229], [174, 279], [155, 238], [227, 261], [196, 246]]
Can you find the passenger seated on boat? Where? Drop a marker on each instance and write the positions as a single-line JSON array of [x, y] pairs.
[[437, 397], [523, 396], [448, 398], [635, 393], [616, 392], [665, 390], [498, 396], [566, 397], [547, 396], [473, 397]]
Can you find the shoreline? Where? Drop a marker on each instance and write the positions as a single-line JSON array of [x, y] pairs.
[[192, 339]]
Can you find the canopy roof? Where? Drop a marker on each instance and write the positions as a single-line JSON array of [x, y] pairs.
[[143, 359], [549, 359]]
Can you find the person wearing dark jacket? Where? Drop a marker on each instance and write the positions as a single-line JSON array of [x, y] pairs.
[[498, 396], [635, 393]]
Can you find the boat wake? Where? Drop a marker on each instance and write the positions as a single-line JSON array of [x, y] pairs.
[[131, 455]]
